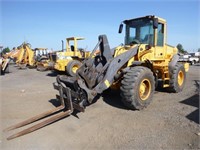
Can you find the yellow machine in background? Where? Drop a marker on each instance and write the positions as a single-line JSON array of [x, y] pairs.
[[46, 62], [70, 60], [4, 65], [5, 60], [26, 56], [38, 57], [13, 54]]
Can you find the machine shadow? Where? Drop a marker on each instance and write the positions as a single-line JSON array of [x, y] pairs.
[[52, 74], [193, 101], [112, 98], [159, 88], [55, 102]]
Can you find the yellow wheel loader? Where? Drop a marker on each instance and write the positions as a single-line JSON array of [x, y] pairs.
[[134, 68], [70, 60]]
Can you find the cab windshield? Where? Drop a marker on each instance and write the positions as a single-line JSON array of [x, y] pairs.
[[139, 31]]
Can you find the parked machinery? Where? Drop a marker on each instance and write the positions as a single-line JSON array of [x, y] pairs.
[[47, 63], [4, 65], [5, 60], [70, 60], [32, 58], [26, 56], [13, 54], [134, 68]]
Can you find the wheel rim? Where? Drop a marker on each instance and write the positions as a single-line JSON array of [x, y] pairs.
[[75, 68], [144, 89], [180, 78]]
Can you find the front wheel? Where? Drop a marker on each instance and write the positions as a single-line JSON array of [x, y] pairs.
[[137, 87], [72, 67]]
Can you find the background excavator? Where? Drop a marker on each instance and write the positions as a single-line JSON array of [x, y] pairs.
[[6, 58], [135, 69], [38, 58]]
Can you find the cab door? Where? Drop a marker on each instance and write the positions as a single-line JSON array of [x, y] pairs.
[[160, 41]]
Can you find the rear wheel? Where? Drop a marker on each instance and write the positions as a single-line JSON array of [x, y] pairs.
[[137, 87], [7, 69], [41, 65], [72, 67], [177, 78], [1, 71]]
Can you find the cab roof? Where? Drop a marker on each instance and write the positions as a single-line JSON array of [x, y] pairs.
[[148, 17], [75, 38]]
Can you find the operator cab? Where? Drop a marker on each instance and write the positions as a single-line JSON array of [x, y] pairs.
[[148, 30]]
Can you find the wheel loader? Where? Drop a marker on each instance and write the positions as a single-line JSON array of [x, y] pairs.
[[70, 60], [135, 68]]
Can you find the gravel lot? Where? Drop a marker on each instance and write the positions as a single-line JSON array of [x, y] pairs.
[[170, 122]]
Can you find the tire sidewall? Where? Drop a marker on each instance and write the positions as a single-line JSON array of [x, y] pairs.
[[137, 91], [70, 65], [130, 87], [179, 88]]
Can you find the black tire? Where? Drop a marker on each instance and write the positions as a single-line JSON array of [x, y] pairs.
[[72, 67], [177, 78], [131, 87], [1, 71], [192, 63], [7, 69]]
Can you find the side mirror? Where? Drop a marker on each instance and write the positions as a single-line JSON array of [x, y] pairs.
[[120, 28], [155, 23]]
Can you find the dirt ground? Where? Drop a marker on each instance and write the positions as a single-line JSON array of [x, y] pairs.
[[170, 122]]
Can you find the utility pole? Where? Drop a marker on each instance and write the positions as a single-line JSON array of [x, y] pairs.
[[62, 45], [1, 49]]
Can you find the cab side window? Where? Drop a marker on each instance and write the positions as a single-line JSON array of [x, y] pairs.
[[160, 35]]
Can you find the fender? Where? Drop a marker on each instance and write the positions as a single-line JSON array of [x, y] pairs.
[[173, 62]]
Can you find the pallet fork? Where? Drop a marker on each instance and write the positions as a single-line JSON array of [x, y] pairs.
[[66, 109]]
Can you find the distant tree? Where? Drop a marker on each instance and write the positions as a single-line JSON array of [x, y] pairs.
[[5, 50], [198, 49], [180, 48]]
